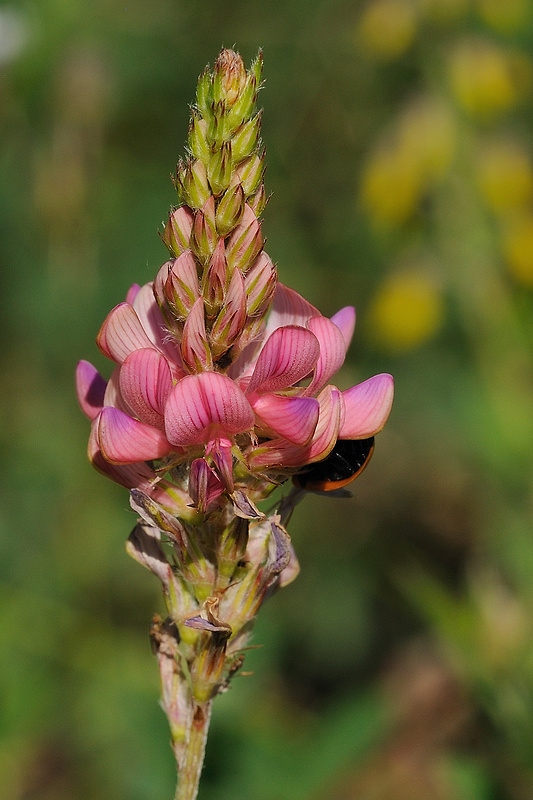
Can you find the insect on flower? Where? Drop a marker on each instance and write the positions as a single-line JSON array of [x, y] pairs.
[[346, 461]]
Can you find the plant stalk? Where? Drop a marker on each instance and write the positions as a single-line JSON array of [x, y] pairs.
[[190, 758]]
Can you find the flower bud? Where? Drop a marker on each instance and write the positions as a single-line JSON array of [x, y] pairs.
[[260, 285], [193, 185], [204, 234], [219, 169], [245, 140], [258, 201], [198, 141], [250, 173], [214, 280], [230, 209], [181, 286], [245, 242], [229, 78], [204, 99], [232, 316], [195, 350], [177, 233]]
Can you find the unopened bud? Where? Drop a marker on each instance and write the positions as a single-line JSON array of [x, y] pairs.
[[193, 185], [250, 173], [219, 169], [245, 242], [214, 280], [177, 233], [260, 285], [246, 138], [198, 141], [230, 209], [204, 234], [232, 316], [229, 78]]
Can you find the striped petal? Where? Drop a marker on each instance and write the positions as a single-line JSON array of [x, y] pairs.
[[152, 322], [122, 333], [200, 407], [294, 418], [145, 382], [367, 407], [124, 440], [332, 352], [280, 453], [289, 355], [345, 322], [90, 388], [289, 308]]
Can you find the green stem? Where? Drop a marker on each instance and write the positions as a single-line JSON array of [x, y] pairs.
[[191, 758]]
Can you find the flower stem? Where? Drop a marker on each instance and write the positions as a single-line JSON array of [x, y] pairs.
[[191, 758]]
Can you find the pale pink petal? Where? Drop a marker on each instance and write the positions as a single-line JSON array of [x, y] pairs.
[[288, 356], [202, 406], [219, 450], [289, 308], [113, 396], [145, 382], [124, 440], [195, 350], [153, 323], [294, 418], [121, 333], [367, 407], [280, 453], [138, 475], [332, 352], [345, 322], [133, 291], [90, 388]]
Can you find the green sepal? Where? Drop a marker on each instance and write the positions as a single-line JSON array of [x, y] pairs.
[[230, 209], [246, 138], [219, 169]]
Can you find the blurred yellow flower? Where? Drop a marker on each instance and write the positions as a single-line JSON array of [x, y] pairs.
[[482, 79], [387, 28], [504, 175], [517, 246], [505, 16], [402, 168], [407, 310]]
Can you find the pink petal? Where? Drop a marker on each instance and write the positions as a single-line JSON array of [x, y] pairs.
[[201, 405], [289, 308], [345, 322], [133, 291], [195, 350], [113, 396], [332, 352], [294, 418], [279, 453], [121, 333], [219, 450], [367, 407], [145, 382], [138, 475], [124, 440], [153, 324], [288, 356], [90, 388]]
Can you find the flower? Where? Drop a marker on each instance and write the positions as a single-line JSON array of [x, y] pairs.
[[272, 409]]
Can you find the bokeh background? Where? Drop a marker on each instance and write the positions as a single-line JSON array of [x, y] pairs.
[[399, 136]]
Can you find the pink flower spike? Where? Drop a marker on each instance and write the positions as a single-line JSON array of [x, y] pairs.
[[289, 355], [121, 333], [294, 418], [345, 322], [289, 308], [367, 407], [145, 382], [90, 388], [205, 487], [195, 350], [124, 440], [332, 352], [204, 406]]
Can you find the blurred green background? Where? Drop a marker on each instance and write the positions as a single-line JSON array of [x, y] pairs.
[[399, 666]]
